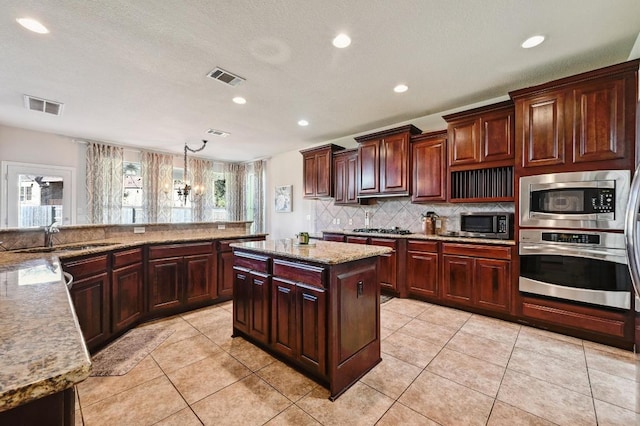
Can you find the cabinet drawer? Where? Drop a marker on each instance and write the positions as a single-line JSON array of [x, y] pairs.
[[299, 273], [86, 267], [427, 246], [173, 250], [357, 240], [127, 257], [251, 261], [476, 250], [385, 242]]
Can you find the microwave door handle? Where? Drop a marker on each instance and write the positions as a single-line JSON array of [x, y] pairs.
[[558, 216], [631, 230], [494, 225], [563, 185]]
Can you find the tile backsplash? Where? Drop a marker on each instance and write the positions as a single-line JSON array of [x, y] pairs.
[[400, 212]]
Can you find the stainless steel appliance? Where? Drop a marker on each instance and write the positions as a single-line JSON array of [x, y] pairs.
[[487, 225], [576, 200], [395, 230], [631, 236], [583, 266]]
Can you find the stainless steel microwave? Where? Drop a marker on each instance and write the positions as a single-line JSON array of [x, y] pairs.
[[576, 200], [487, 225]]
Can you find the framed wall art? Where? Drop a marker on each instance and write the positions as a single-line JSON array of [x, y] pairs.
[[283, 198]]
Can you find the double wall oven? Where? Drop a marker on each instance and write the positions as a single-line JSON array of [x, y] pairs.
[[572, 244]]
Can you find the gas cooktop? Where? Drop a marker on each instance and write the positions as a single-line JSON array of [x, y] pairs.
[[395, 230]]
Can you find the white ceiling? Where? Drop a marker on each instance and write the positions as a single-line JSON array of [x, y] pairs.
[[134, 72]]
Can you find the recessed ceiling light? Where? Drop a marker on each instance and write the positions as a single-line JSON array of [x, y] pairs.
[[401, 88], [239, 100], [341, 41], [303, 123], [532, 41], [33, 25]]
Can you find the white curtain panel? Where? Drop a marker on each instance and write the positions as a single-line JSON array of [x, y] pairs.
[[201, 174], [242, 205], [157, 186], [234, 194], [104, 183]]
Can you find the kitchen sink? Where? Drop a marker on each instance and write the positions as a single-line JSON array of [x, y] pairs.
[[65, 248]]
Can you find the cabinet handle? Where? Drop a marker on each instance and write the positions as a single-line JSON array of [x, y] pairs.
[[360, 288], [242, 276]]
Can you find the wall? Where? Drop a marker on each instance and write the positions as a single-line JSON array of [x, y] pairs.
[[29, 146]]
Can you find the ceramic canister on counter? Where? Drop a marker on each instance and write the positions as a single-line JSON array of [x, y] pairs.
[[303, 238]]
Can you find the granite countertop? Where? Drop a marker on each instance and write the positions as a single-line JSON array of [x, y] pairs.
[[43, 351], [327, 252], [419, 236], [42, 347]]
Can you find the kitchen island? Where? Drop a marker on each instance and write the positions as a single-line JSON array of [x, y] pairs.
[[317, 306]]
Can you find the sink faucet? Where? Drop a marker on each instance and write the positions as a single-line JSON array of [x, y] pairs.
[[48, 233]]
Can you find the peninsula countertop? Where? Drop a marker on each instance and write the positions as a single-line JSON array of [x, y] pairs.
[[42, 346], [420, 236], [43, 351], [327, 252]]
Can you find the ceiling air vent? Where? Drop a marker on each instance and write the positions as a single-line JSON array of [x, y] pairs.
[[220, 133], [225, 77], [42, 105]]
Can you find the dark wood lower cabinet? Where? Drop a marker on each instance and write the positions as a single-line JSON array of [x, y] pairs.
[[57, 409], [127, 297], [164, 279], [422, 269], [199, 285], [91, 298], [324, 319], [457, 282]]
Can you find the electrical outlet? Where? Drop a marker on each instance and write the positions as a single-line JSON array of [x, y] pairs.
[[308, 217], [337, 221], [350, 221], [138, 229], [222, 226], [334, 221]]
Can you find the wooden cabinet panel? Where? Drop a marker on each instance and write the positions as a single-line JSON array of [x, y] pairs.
[[422, 273], [317, 171], [394, 164], [311, 319], [369, 167], [259, 311], [464, 138], [241, 298], [90, 298], [164, 280], [492, 284], [127, 297], [345, 168], [457, 279], [225, 274], [284, 326], [326, 236], [598, 121], [387, 272], [497, 136], [542, 127], [357, 240], [198, 283], [429, 166]]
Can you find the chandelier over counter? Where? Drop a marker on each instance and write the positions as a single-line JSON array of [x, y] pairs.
[[184, 189]]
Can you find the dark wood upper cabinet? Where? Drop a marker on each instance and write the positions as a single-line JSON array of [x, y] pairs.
[[481, 137], [345, 169], [568, 124], [317, 171], [384, 160], [429, 158]]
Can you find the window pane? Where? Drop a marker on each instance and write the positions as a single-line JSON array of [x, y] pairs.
[[40, 200]]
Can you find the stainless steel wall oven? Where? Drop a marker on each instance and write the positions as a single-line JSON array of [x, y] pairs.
[[588, 267]]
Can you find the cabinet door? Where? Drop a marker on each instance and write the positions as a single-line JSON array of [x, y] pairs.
[[542, 127], [387, 266], [457, 279], [598, 121], [127, 299], [429, 159], [259, 309], [283, 316], [241, 298], [312, 322], [464, 137], [492, 284], [323, 173], [225, 274], [394, 164], [422, 273], [309, 175], [340, 180], [90, 298], [497, 136], [164, 278], [351, 182], [198, 285], [369, 167]]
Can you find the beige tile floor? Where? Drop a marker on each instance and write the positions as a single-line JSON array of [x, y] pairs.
[[440, 366]]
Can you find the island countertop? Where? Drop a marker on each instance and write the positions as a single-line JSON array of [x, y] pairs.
[[327, 252], [43, 351]]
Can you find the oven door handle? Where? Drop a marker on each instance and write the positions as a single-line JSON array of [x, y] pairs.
[[607, 255], [631, 230]]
